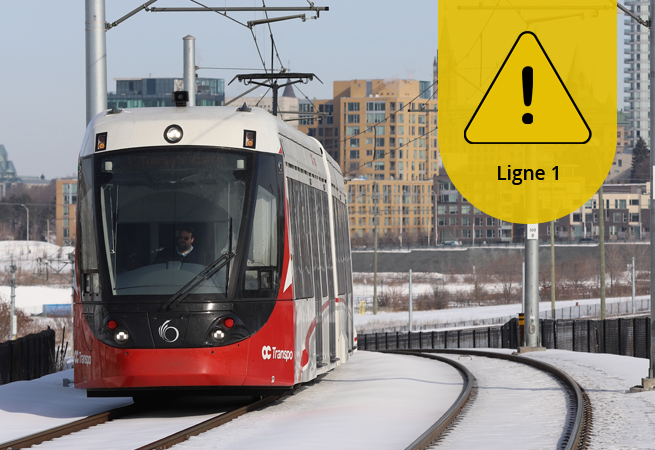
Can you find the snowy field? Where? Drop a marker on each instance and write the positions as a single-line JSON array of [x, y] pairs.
[[25, 255]]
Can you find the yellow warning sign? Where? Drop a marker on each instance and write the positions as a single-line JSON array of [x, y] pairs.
[[527, 97], [527, 102]]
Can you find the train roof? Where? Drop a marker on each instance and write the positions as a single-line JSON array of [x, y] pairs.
[[222, 126]]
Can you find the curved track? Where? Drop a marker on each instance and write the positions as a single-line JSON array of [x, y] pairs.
[[118, 413], [579, 422]]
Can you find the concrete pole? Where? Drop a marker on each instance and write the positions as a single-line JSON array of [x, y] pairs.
[[190, 68], [601, 210], [531, 329], [96, 58], [12, 315], [410, 300], [552, 267]]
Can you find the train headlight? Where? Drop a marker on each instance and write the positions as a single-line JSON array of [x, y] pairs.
[[173, 134], [218, 334], [121, 336]]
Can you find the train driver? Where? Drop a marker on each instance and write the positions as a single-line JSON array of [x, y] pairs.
[[184, 251]]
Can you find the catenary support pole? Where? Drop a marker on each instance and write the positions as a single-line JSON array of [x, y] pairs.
[[189, 50], [96, 58], [12, 309], [523, 287], [531, 329], [375, 272], [410, 300]]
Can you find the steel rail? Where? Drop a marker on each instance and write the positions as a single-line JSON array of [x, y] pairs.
[[433, 433], [72, 427], [207, 425], [580, 429]]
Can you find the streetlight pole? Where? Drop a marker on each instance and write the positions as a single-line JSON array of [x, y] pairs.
[[28, 227], [436, 219]]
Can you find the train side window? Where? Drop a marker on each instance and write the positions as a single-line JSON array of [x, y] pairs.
[[328, 245], [316, 273], [88, 256], [306, 244], [296, 230], [322, 247]]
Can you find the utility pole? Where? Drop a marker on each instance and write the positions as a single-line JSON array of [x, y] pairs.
[[13, 328], [189, 67], [552, 267], [601, 210], [633, 284], [375, 249]]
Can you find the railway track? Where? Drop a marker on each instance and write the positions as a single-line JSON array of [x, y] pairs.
[[125, 411], [576, 434]]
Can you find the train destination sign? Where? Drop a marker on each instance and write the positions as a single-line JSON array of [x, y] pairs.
[[527, 103]]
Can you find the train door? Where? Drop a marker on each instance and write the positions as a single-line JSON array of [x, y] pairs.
[[329, 263]]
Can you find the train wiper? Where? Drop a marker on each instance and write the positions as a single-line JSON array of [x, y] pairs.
[[210, 270]]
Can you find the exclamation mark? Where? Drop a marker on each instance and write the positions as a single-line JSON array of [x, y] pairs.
[[527, 92]]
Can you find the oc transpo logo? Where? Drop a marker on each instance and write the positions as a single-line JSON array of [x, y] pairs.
[[269, 352], [165, 332]]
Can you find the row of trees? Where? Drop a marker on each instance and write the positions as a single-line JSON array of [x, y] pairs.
[[40, 200]]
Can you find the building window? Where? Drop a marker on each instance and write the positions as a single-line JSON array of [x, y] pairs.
[[379, 142], [379, 165], [466, 233], [66, 232], [491, 233], [354, 142], [466, 221], [452, 221], [577, 217], [491, 221], [634, 217], [466, 209], [353, 118], [452, 209], [354, 154], [352, 107], [617, 217], [375, 106], [622, 204], [66, 210]]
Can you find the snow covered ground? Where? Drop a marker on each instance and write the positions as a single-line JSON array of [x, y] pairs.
[[373, 401], [32, 298], [514, 404], [621, 420], [30, 406]]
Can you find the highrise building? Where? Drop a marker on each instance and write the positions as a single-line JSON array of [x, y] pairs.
[[8, 176], [383, 133], [151, 92], [637, 68]]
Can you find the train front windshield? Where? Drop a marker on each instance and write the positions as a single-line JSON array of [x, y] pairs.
[[165, 216]]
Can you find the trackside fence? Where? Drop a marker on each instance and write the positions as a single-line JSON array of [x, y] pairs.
[[27, 358], [628, 337]]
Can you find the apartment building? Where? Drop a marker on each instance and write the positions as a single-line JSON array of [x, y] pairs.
[[66, 204], [383, 133]]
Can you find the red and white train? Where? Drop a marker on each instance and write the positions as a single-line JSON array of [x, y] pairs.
[[213, 253]]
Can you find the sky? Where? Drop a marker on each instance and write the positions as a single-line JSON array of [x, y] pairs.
[[42, 111]]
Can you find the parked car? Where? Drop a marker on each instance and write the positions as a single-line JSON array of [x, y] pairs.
[[451, 243]]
